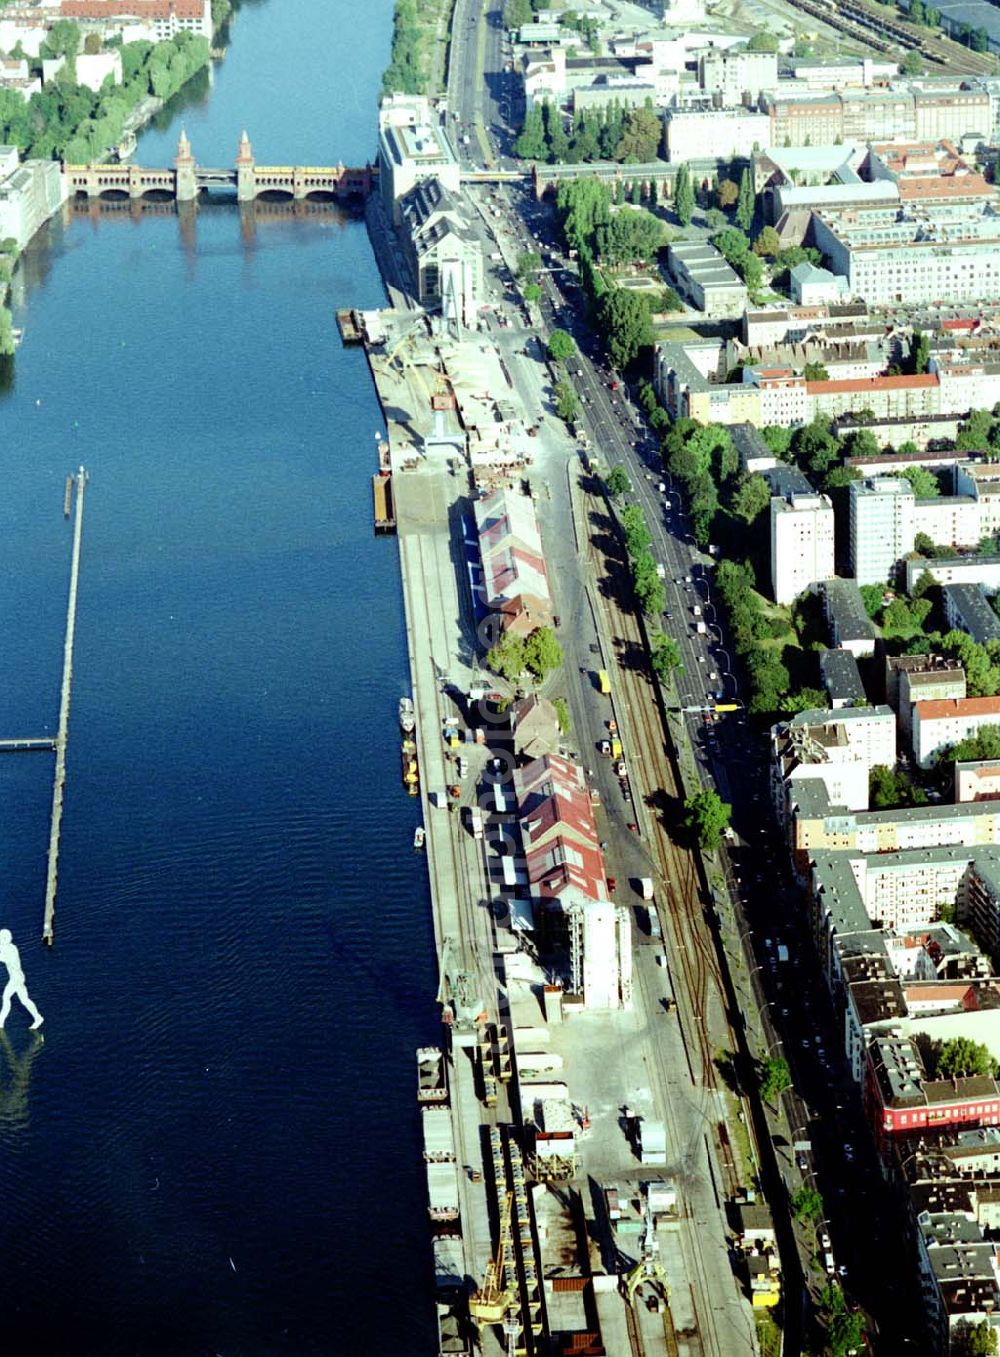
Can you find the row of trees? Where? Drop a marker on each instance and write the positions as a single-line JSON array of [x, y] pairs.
[[622, 315], [628, 135], [648, 586], [750, 627]]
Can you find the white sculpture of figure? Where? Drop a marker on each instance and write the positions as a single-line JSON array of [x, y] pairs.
[[11, 958]]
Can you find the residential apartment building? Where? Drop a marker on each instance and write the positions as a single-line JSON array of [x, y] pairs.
[[844, 610], [902, 111], [908, 396], [841, 678], [938, 725], [967, 609], [983, 570], [715, 133], [927, 254], [166, 18], [737, 76], [881, 526], [818, 825], [801, 544], [839, 748], [932, 679], [977, 781]]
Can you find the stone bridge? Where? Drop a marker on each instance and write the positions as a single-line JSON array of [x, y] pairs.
[[247, 180]]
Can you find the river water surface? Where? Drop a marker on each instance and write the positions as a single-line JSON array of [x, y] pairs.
[[215, 1149]]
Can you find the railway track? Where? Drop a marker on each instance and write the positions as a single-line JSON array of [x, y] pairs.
[[653, 779], [871, 25]]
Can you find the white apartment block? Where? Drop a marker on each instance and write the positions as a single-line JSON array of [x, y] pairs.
[[714, 134], [801, 544], [939, 724], [901, 892], [881, 526], [736, 74], [942, 253]]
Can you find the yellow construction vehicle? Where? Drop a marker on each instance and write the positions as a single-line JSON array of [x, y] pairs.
[[498, 1294]]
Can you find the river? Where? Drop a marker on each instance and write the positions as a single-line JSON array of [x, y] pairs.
[[215, 1148]]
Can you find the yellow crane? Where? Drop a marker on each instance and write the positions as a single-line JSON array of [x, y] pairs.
[[498, 1295]]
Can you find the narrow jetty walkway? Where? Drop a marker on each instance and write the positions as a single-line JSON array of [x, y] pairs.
[[62, 735]]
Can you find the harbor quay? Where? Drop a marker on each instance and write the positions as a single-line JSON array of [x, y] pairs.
[[625, 1193]]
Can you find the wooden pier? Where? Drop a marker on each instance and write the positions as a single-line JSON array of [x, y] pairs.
[[62, 734]]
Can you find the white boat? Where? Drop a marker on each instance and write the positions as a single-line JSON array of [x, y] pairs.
[[407, 716], [419, 835]]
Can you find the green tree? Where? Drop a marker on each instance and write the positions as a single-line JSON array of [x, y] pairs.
[[746, 202], [684, 195], [625, 319], [767, 244], [62, 40], [762, 41], [640, 139], [531, 143], [815, 372], [561, 346], [804, 699], [779, 440], [706, 816], [887, 789], [567, 405], [528, 264], [975, 432], [531, 292], [807, 1204], [973, 1340], [960, 1056], [726, 194], [618, 483], [638, 538], [920, 351], [542, 652], [924, 483], [732, 243], [665, 657], [773, 1078], [506, 657], [846, 1333], [7, 344], [752, 497]]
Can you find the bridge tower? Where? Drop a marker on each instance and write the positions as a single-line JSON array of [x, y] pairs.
[[246, 174], [186, 184]]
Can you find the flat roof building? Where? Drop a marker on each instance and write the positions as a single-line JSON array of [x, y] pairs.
[[967, 609], [801, 544], [850, 626], [704, 275], [842, 678]]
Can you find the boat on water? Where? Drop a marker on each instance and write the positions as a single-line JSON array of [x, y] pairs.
[[419, 835], [411, 776], [126, 147], [407, 715]]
